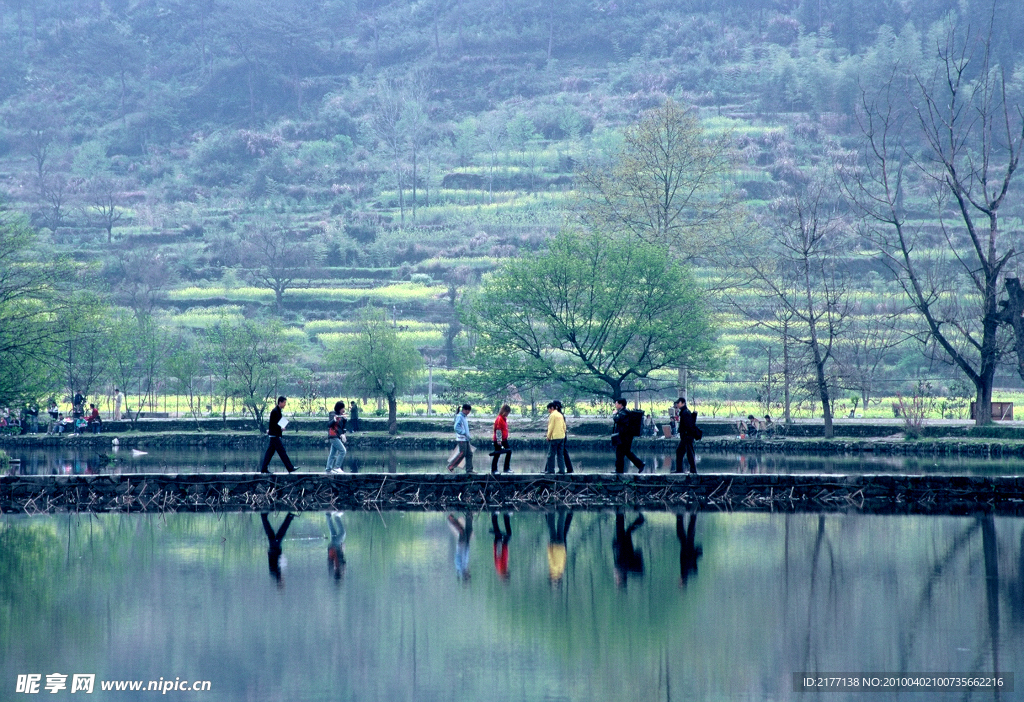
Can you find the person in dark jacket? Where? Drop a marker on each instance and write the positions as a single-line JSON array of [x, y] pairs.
[[687, 433], [622, 439], [276, 445]]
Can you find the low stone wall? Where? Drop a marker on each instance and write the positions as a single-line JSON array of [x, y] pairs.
[[884, 494]]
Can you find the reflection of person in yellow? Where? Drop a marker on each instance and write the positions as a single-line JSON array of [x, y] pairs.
[[558, 529]]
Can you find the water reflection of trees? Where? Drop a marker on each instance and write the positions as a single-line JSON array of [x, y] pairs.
[[773, 592]]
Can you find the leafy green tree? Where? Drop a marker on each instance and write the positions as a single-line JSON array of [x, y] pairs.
[[379, 364], [138, 349], [83, 348], [255, 354], [187, 366], [32, 292], [593, 312]]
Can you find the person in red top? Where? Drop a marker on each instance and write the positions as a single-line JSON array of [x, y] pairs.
[[93, 420], [501, 440]]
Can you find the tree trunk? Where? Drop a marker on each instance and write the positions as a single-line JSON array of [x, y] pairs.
[[616, 386], [785, 371], [1013, 316], [826, 401], [392, 413]]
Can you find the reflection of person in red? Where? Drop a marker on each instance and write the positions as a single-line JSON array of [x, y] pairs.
[[501, 544]]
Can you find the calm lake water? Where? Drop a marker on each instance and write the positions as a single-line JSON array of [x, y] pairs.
[[69, 460], [592, 606]]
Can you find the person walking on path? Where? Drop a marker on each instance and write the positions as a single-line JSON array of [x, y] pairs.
[[274, 544], [556, 440], [462, 438], [118, 398], [336, 437], [500, 439], [687, 433], [622, 439], [565, 445], [276, 445]]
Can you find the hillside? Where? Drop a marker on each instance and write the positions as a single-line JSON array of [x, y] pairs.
[[408, 148]]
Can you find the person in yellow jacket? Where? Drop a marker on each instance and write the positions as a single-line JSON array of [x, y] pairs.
[[556, 440]]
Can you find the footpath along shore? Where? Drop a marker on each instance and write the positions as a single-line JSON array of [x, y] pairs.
[[890, 493], [805, 437]]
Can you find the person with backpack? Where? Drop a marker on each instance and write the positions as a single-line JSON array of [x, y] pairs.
[[622, 439], [336, 437], [688, 431]]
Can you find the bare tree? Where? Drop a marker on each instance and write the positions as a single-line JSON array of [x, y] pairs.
[[970, 132], [140, 278], [275, 258], [802, 285], [862, 353], [104, 200], [1012, 315], [386, 125]]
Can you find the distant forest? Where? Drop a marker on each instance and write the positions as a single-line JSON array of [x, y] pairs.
[[409, 148]]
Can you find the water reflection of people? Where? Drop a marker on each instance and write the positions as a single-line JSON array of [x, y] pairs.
[[688, 551], [558, 529], [274, 540], [336, 545], [627, 559], [501, 544], [464, 532]]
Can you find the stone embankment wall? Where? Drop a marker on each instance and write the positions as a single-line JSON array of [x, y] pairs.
[[887, 494]]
